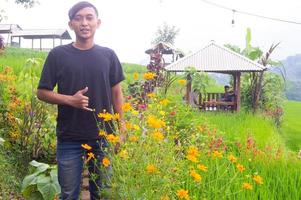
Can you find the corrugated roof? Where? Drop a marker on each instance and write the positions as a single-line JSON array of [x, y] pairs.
[[9, 28], [215, 58], [42, 33]]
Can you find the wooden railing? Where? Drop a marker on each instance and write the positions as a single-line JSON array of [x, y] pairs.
[[215, 102]]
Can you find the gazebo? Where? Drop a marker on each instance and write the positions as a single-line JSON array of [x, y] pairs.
[[217, 59], [40, 34]]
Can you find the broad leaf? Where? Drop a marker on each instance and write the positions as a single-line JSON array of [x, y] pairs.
[[41, 167], [29, 180], [47, 187]]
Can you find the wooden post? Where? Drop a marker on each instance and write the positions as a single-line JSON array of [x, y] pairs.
[[53, 42], [40, 44], [31, 43], [19, 42], [188, 89], [238, 91]]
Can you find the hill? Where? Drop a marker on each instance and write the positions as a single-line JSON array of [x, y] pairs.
[[292, 65]]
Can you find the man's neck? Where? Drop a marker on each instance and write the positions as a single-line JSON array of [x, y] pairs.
[[83, 45]]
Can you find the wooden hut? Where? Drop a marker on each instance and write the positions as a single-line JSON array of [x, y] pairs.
[[217, 59]]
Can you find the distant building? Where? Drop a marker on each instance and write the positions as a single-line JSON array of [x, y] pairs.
[[18, 37]]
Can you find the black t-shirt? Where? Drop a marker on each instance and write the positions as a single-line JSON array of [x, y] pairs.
[[72, 69]]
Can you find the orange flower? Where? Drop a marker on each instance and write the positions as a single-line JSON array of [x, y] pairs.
[[182, 82], [149, 75], [105, 116], [197, 177], [90, 156], [106, 162], [258, 179], [202, 167], [217, 154], [102, 133], [126, 107], [112, 138], [183, 194], [86, 146], [193, 151], [247, 186], [232, 158], [240, 167], [151, 169], [133, 138], [158, 136], [192, 158]]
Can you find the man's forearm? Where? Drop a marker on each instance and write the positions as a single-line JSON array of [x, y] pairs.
[[117, 98], [53, 97]]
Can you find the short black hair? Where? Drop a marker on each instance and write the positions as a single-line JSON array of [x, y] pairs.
[[78, 6], [227, 86]]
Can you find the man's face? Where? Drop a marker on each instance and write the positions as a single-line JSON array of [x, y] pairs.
[[85, 23]]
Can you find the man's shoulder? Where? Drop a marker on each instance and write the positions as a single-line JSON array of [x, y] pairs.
[[60, 48], [104, 49]]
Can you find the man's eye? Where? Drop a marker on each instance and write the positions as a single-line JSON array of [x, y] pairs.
[[77, 18], [90, 18]]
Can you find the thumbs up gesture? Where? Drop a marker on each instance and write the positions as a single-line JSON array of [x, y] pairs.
[[79, 100]]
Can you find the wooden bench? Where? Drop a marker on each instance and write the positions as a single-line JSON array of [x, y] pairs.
[[214, 102]]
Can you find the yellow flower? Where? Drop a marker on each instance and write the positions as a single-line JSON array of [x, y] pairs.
[[192, 158], [151, 169], [151, 95], [126, 107], [133, 138], [123, 154], [136, 127], [135, 113], [164, 102], [202, 167], [183, 194], [90, 156], [136, 76], [162, 113], [240, 167], [164, 198], [106, 162], [158, 136], [258, 179], [116, 116], [86, 146], [182, 82], [193, 151], [149, 75], [105, 116], [247, 186], [112, 138], [217, 154], [102, 133], [154, 122], [197, 177], [232, 158]]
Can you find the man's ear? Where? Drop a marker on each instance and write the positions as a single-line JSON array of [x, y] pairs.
[[98, 23], [70, 25]]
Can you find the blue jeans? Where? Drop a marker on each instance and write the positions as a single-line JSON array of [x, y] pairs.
[[70, 159]]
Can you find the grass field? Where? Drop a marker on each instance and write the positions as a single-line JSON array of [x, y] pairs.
[[291, 126]]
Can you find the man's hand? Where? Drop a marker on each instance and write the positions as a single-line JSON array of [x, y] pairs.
[[79, 100]]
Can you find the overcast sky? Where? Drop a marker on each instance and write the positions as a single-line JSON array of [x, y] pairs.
[[128, 26]]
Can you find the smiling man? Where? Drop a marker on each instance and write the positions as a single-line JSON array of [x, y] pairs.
[[88, 79]]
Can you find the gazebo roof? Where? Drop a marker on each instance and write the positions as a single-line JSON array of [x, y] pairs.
[[166, 48], [9, 28], [42, 33], [215, 58]]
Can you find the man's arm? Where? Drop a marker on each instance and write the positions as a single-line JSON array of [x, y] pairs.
[[117, 98], [78, 100]]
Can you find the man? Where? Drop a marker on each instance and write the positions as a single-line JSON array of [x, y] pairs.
[[88, 80]]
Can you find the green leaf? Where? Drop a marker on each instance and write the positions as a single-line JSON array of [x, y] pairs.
[[29, 180], [47, 187], [31, 193], [41, 167]]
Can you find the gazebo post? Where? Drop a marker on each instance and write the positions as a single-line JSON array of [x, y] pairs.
[[188, 88], [32, 43], [40, 44], [237, 89]]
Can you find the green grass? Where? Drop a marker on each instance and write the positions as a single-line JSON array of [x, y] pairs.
[[291, 126]]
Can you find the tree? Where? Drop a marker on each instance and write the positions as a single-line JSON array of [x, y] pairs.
[[25, 3], [166, 34], [255, 82]]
